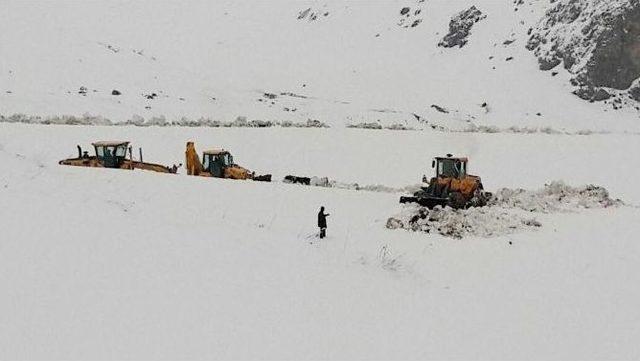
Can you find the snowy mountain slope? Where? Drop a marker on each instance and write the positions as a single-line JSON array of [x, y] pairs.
[[599, 42], [361, 62], [116, 264]]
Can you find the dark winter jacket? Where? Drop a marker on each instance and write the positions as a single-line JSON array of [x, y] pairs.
[[322, 219]]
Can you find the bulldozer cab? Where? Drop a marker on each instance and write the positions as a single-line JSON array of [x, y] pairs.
[[216, 161], [111, 154], [450, 167]]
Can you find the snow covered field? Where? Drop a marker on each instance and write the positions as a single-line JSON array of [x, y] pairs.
[[103, 263]]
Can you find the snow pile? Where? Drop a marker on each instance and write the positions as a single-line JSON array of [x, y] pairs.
[[491, 129], [509, 211], [459, 223], [556, 196], [158, 121], [370, 125], [378, 126], [86, 119], [310, 123]]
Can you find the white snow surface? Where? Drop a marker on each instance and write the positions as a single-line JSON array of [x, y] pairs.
[[115, 264], [217, 59]]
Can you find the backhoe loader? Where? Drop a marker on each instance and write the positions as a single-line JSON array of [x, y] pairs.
[[217, 163]]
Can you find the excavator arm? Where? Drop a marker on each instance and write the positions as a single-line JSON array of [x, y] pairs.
[[194, 166]]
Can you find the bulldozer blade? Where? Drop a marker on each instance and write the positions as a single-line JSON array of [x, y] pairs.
[[432, 202], [404, 199], [429, 202]]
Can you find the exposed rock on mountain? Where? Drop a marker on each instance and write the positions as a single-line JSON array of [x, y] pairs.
[[311, 14], [460, 27], [597, 40]]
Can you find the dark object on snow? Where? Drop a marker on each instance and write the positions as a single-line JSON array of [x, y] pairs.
[[297, 180], [439, 108], [174, 168], [262, 178], [322, 222], [115, 92], [460, 28]]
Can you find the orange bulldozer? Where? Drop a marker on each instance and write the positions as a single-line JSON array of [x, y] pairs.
[[451, 186]]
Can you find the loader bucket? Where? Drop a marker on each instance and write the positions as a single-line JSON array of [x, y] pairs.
[[429, 202]]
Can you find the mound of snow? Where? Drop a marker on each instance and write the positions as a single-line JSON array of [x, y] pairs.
[[159, 121], [509, 211], [556, 196], [378, 126], [459, 223]]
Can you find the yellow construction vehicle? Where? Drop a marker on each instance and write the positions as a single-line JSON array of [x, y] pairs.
[[451, 186], [113, 154], [217, 163]]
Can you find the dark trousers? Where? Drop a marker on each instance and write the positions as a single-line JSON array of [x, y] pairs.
[[323, 232]]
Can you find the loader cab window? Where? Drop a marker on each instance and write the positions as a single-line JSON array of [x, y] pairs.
[[216, 165], [227, 160], [120, 151], [446, 168], [206, 161], [451, 168], [224, 159], [461, 167], [111, 156]]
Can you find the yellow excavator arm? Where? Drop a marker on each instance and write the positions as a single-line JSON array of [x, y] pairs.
[[194, 166]]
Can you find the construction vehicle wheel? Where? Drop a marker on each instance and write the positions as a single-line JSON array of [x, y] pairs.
[[456, 200], [481, 198]]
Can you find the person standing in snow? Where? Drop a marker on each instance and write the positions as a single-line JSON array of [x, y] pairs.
[[322, 222]]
